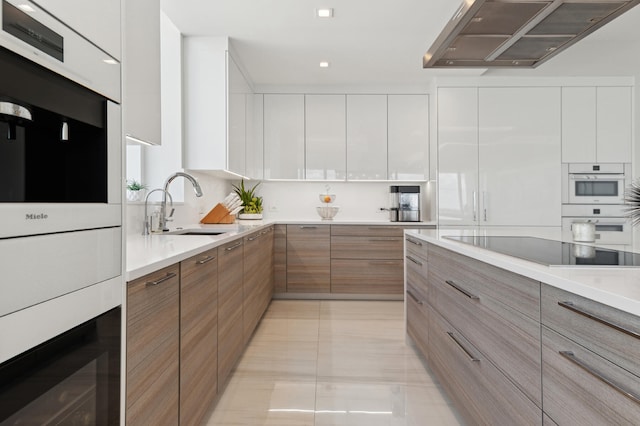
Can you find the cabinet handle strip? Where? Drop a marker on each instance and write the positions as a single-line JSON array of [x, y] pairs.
[[255, 238], [417, 262], [418, 301], [233, 247], [384, 262], [206, 259], [571, 357], [466, 351], [570, 306], [371, 228], [163, 279], [462, 290], [418, 243], [308, 227], [383, 240]]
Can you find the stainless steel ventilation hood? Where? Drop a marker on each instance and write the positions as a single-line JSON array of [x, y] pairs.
[[517, 33]]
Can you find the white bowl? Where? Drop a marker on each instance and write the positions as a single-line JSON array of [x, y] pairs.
[[327, 212], [327, 198]]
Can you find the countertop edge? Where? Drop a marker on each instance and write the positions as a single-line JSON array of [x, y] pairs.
[[548, 275]]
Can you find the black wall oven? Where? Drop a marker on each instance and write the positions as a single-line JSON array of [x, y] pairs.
[[61, 230]]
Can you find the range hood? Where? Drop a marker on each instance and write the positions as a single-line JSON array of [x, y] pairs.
[[517, 33]]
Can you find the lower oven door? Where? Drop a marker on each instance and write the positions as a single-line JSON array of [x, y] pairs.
[[609, 230]]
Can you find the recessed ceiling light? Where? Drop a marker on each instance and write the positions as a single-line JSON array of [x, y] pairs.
[[324, 13], [26, 8], [324, 64]]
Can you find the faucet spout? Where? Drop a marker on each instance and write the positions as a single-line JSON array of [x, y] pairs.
[[163, 209]]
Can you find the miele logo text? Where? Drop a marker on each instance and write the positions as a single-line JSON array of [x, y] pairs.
[[32, 216]]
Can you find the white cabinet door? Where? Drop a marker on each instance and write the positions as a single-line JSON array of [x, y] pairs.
[[579, 125], [408, 137], [237, 117], [141, 65], [519, 156], [96, 20], [458, 156], [284, 136], [325, 142], [614, 124], [366, 137], [255, 146]]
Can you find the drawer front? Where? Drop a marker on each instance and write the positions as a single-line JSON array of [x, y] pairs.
[[417, 320], [307, 231], [417, 274], [576, 389], [416, 247], [367, 276], [482, 393], [308, 264], [367, 230], [612, 334], [280, 258], [505, 336], [520, 293], [366, 247]]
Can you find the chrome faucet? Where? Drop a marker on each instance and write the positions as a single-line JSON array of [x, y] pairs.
[[146, 226], [163, 208]]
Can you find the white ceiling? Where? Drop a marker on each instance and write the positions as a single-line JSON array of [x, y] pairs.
[[373, 42]]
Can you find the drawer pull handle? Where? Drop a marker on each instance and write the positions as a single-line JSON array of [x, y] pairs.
[[308, 227], [234, 247], [415, 299], [621, 328], [382, 240], [466, 351], [571, 357], [384, 262], [206, 259], [417, 262], [163, 279], [462, 290], [255, 238], [418, 243]]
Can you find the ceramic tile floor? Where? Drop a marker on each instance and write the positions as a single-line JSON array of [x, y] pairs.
[[340, 363]]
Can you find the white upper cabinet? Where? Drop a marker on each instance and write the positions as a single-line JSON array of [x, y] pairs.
[[284, 136], [614, 131], [141, 69], [325, 137], [255, 145], [366, 137], [519, 156], [96, 20], [408, 137], [458, 156], [596, 124], [240, 107]]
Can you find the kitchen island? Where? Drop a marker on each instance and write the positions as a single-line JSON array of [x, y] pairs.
[[518, 342]]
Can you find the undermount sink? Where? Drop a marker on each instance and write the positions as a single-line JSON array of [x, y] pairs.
[[196, 232]]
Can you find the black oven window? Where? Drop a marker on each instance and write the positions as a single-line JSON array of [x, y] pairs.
[[596, 189]]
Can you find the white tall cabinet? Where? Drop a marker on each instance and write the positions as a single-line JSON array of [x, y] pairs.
[[366, 137], [284, 154], [503, 166], [408, 137], [596, 124], [325, 139]]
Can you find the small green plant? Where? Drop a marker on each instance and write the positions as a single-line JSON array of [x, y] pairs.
[[134, 185], [250, 201]]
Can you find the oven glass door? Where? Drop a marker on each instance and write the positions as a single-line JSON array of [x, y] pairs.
[[588, 189]]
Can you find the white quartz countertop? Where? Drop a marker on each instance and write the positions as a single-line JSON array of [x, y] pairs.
[[148, 253], [618, 287]]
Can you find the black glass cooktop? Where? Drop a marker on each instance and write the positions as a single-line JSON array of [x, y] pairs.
[[551, 252]]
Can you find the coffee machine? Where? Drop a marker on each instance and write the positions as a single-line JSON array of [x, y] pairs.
[[405, 203]]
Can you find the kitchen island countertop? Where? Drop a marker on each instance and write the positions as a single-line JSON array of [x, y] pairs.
[[618, 287]]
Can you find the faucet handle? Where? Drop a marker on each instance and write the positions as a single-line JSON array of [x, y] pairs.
[[171, 214]]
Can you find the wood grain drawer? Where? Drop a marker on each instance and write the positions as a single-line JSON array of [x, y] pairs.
[[367, 230], [576, 389], [417, 320], [482, 393], [280, 258], [612, 334], [505, 336], [308, 231], [417, 274], [416, 247], [343, 247], [519, 293], [366, 276]]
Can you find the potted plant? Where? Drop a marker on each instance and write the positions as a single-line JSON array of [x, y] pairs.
[[251, 203], [135, 190]]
